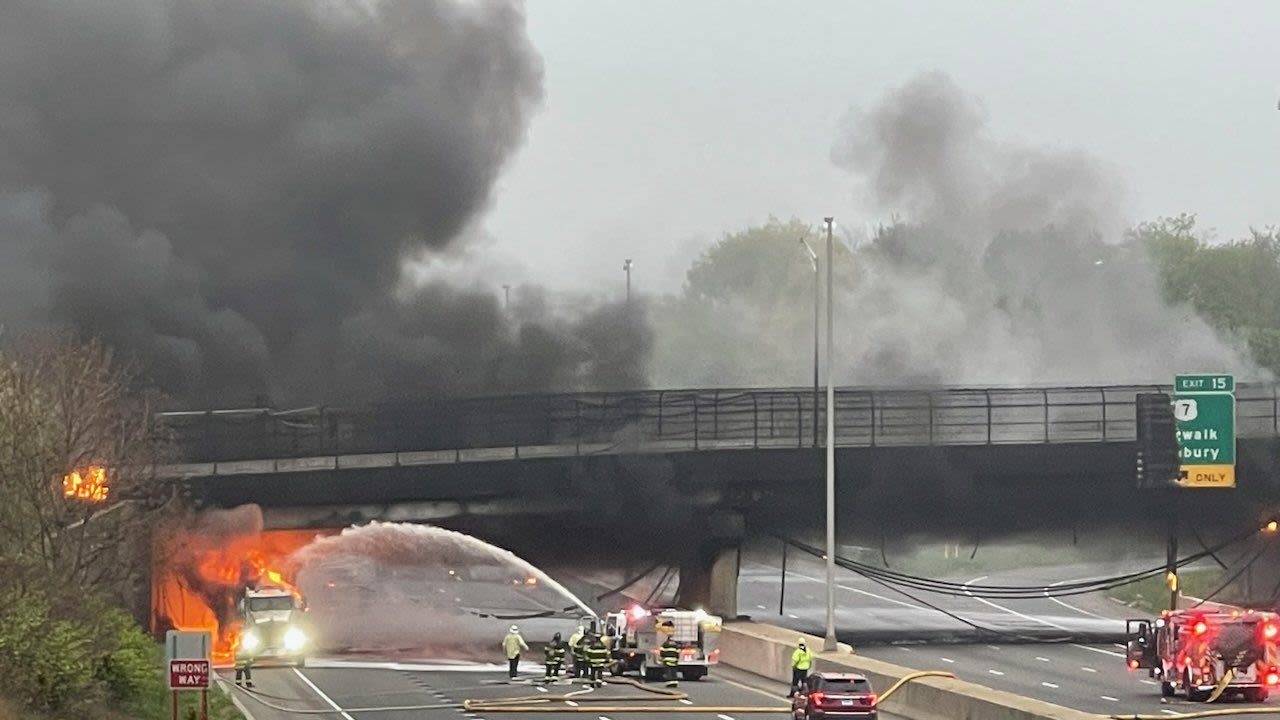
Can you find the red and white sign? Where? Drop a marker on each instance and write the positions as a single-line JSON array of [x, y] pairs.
[[188, 674]]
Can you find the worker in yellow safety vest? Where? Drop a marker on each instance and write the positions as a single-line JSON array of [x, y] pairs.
[[801, 662]]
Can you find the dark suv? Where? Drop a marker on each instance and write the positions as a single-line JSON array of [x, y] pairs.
[[834, 695]]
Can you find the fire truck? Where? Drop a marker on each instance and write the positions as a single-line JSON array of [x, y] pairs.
[[1206, 654], [639, 634]]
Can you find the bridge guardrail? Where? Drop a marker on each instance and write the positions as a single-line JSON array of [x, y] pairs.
[[693, 419]]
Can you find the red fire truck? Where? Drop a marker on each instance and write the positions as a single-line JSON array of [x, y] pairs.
[[1199, 651]]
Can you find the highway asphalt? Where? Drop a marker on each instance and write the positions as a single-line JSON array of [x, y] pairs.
[[345, 689], [1085, 675]]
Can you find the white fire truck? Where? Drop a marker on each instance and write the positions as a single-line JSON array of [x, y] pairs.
[[638, 635], [1208, 653]]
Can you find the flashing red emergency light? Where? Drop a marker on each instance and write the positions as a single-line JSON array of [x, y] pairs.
[[638, 612], [1133, 664], [1273, 678], [1199, 628], [1269, 631]]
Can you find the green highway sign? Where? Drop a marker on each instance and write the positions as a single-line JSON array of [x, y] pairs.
[[1204, 411], [1204, 383]]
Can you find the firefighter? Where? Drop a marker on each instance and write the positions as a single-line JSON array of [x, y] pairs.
[[244, 668], [512, 644], [670, 651], [576, 648], [555, 657], [597, 658], [801, 661]]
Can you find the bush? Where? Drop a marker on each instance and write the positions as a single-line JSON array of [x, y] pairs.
[[44, 662], [128, 668]]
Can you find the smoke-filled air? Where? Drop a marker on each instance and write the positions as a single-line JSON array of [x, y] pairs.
[[998, 263], [229, 192]]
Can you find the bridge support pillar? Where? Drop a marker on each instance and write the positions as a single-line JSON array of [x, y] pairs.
[[709, 575]]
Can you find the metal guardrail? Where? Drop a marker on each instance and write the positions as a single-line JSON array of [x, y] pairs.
[[692, 420]]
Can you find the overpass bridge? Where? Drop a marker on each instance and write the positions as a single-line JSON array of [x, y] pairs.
[[680, 463]]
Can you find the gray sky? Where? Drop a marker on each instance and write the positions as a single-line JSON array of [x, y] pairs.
[[667, 123]]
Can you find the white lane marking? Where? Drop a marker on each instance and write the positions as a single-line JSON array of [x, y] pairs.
[[761, 607], [881, 598], [686, 701], [1015, 613], [793, 617], [737, 684], [1088, 669], [1070, 606], [1169, 712], [995, 672], [604, 717], [324, 697], [1150, 682], [542, 689], [725, 717], [904, 649], [1043, 659], [948, 660], [1108, 697], [1049, 685], [994, 647], [570, 703], [1098, 650]]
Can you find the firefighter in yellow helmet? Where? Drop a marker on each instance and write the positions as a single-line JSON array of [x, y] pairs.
[[801, 662]]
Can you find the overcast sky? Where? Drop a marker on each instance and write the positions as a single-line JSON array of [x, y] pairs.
[[667, 123]]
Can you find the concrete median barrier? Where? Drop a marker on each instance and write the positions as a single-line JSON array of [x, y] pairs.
[[766, 650]]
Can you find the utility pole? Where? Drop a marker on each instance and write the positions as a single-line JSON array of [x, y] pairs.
[[817, 305], [829, 643], [506, 297], [626, 265]]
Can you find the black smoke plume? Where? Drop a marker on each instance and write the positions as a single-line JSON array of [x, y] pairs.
[[230, 190]]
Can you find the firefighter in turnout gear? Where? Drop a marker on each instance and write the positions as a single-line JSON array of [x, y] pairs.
[[598, 658], [670, 651], [577, 648], [555, 657]]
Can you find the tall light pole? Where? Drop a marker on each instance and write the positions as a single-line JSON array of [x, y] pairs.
[[626, 265], [817, 305], [506, 297], [829, 643]]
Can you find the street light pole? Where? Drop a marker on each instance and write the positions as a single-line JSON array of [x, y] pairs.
[[626, 265], [506, 297], [829, 643], [817, 305]]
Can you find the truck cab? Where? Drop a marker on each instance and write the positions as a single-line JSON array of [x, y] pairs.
[[273, 628]]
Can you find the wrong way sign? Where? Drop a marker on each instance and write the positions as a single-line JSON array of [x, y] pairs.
[[188, 674]]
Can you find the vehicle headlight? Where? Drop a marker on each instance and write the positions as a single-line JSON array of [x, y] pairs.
[[294, 639], [250, 641]]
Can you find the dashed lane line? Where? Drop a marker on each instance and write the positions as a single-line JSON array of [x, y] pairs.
[[1109, 698], [1112, 653], [1043, 659], [725, 717], [1088, 669], [948, 660], [1050, 685], [995, 672], [686, 701]]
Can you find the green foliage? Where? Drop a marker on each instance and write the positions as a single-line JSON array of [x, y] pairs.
[[127, 669], [44, 662], [1234, 286]]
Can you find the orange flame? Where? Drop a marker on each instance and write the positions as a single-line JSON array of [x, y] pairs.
[[248, 562], [91, 485]]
